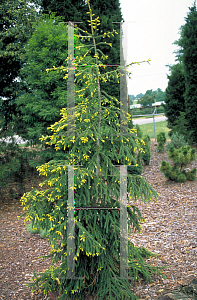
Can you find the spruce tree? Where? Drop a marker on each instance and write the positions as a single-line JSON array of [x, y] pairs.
[[188, 44], [174, 97], [90, 152]]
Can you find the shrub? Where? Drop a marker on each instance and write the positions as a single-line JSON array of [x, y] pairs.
[[161, 139], [29, 228], [142, 157], [146, 148], [191, 175], [177, 141], [139, 131], [14, 165], [181, 157], [43, 231], [160, 109]]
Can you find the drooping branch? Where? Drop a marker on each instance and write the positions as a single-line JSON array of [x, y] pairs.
[[98, 86]]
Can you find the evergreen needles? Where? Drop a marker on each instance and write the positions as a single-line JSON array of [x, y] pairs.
[[161, 139], [181, 157], [93, 152]]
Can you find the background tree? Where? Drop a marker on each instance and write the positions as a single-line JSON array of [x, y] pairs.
[[174, 97], [150, 93], [139, 96], [160, 96], [45, 93], [16, 26], [131, 99], [16, 19], [188, 44], [147, 100], [180, 126], [39, 104], [181, 92]]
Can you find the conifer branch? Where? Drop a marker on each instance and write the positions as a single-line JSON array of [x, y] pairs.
[[98, 86]]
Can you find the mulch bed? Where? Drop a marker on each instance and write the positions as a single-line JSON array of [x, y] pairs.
[[169, 230]]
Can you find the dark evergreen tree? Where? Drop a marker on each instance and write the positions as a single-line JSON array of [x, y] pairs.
[[188, 44], [70, 10], [174, 98], [45, 93], [16, 19]]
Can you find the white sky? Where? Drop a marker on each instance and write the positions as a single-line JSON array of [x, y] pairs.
[[153, 29]]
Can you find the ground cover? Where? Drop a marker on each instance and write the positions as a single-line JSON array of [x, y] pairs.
[[169, 230]]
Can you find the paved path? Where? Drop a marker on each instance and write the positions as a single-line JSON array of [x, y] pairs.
[[149, 120]]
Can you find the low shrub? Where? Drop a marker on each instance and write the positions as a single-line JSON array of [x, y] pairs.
[[181, 157], [160, 109], [146, 148], [43, 231], [139, 131], [13, 167], [161, 139], [177, 141], [29, 228], [142, 157]]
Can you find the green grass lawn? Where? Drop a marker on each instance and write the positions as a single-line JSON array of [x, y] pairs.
[[160, 126]]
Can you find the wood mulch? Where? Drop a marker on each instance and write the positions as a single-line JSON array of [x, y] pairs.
[[170, 230]]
